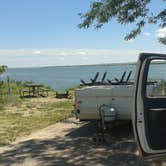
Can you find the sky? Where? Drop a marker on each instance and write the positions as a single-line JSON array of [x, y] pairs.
[[45, 33]]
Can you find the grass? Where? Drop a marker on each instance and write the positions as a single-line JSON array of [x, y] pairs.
[[22, 122], [20, 117]]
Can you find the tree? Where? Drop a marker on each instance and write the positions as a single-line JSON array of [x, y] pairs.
[[125, 12], [2, 69]]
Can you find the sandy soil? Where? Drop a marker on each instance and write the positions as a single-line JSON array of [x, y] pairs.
[[70, 143]]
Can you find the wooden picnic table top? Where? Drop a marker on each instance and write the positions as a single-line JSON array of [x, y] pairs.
[[34, 85]]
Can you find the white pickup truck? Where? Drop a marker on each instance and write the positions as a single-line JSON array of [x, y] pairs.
[[111, 102], [142, 102]]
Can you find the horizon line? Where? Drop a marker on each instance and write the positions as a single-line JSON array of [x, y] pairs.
[[97, 64]]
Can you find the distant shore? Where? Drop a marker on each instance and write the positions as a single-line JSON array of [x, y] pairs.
[[100, 64], [103, 64]]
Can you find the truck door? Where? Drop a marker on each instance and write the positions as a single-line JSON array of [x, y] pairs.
[[149, 106]]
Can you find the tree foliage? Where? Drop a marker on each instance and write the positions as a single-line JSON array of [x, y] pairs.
[[2, 69], [125, 12]]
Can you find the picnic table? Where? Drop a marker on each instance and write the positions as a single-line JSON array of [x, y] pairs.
[[34, 88]]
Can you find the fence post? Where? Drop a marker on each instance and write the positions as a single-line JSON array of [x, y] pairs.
[[8, 89]]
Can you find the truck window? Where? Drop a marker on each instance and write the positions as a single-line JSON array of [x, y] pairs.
[[156, 80]]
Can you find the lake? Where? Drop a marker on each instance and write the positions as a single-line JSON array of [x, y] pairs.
[[64, 77]]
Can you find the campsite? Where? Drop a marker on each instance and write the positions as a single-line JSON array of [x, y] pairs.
[[82, 83]]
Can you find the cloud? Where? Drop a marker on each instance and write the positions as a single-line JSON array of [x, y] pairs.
[[147, 34], [161, 33], [61, 52], [61, 57], [82, 53], [37, 52], [84, 58]]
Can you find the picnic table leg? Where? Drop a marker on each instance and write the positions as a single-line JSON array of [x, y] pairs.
[[29, 91], [33, 89], [38, 91]]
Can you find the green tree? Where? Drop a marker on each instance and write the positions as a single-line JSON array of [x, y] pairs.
[[2, 69], [125, 12]]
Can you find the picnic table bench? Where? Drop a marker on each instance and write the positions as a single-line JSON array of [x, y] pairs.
[[25, 92], [62, 95], [43, 92]]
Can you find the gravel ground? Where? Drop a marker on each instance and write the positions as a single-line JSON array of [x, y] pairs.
[[71, 143]]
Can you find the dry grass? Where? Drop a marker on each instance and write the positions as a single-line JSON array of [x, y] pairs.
[[18, 120], [22, 116]]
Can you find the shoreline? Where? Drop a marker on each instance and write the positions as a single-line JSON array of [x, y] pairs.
[[100, 64], [103, 64]]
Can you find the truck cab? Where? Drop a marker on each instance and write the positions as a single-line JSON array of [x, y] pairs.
[[149, 111]]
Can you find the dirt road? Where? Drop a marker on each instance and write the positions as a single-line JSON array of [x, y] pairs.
[[70, 143]]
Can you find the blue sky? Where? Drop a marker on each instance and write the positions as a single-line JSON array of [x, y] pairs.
[[45, 32]]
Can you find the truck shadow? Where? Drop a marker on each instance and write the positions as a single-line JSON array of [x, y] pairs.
[[77, 148]]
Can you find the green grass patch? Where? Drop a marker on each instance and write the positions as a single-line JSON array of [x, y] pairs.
[[21, 123], [22, 116]]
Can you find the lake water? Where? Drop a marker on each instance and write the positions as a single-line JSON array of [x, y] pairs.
[[61, 78]]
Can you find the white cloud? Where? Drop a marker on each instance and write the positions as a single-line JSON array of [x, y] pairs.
[[82, 53], [61, 52], [84, 58], [60, 57], [147, 34], [161, 33], [37, 52]]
